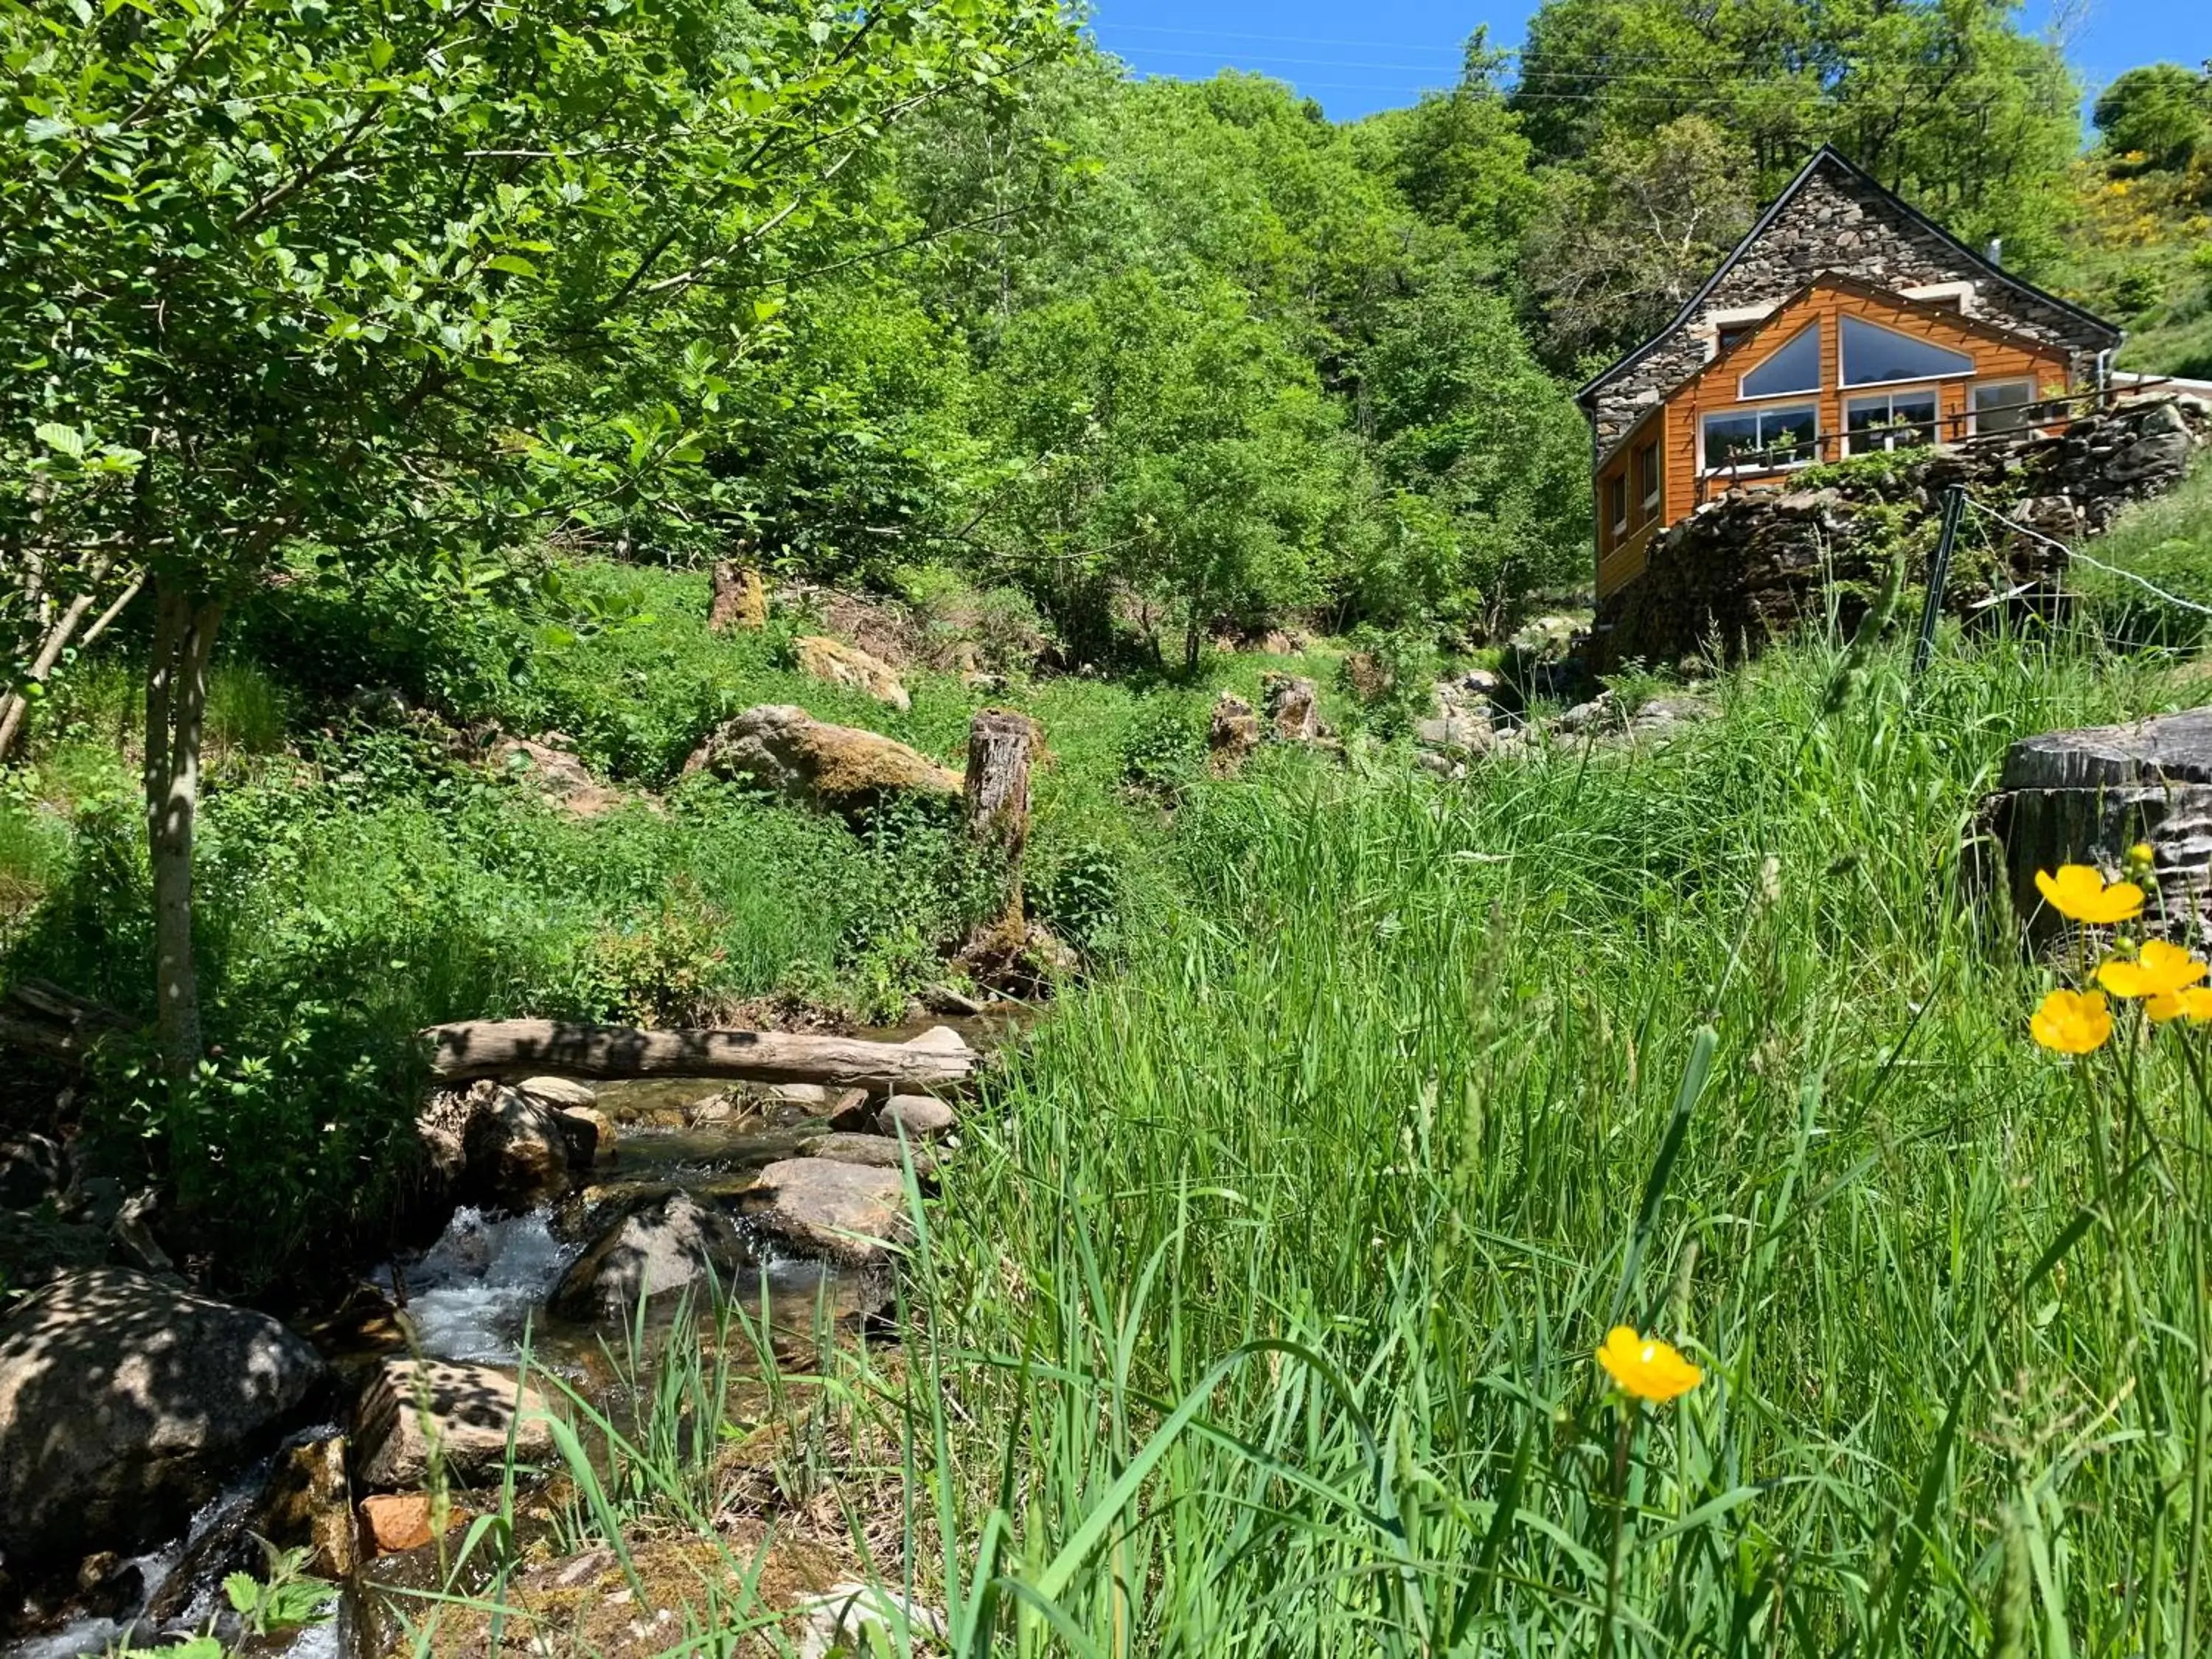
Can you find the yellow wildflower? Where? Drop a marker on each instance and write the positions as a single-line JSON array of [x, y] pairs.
[[2079, 893], [2072, 1022], [1647, 1368], [2159, 970], [2194, 1004]]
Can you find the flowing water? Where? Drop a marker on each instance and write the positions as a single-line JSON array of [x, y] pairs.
[[479, 1294]]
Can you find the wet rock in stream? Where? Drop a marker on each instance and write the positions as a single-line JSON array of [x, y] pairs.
[[126, 1400], [871, 1151], [849, 1213], [663, 1246], [466, 1412]]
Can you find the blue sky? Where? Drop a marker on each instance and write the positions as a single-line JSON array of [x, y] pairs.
[[1377, 53]]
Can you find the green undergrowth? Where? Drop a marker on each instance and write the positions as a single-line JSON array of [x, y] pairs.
[[1258, 1311]]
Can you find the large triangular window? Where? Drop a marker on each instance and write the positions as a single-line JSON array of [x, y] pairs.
[[1795, 368], [1873, 354]]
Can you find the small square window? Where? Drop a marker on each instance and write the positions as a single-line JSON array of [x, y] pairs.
[[2005, 406]]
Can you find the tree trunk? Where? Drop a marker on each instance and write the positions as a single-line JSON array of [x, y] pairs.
[[1000, 745], [527, 1047], [176, 705], [14, 707]]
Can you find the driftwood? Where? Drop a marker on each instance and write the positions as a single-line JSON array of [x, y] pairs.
[[529, 1048]]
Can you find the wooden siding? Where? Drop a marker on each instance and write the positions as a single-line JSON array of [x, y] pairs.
[[1714, 390]]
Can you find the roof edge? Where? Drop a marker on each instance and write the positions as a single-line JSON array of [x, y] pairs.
[[1828, 153]]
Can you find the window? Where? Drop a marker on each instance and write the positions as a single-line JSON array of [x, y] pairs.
[[1795, 368], [1760, 440], [2003, 406], [1732, 336], [1616, 502], [1647, 475], [1873, 354], [1891, 420]]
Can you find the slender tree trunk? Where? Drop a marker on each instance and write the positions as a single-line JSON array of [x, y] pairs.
[[176, 704], [15, 708]]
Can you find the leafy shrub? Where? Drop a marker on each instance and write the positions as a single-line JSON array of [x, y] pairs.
[[1389, 675], [1082, 897], [1164, 744]]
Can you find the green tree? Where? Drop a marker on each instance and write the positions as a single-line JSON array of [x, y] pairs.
[[2161, 112], [1173, 453], [1459, 158], [370, 276]]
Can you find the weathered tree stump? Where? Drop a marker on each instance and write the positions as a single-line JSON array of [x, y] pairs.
[[740, 598], [1232, 735], [1000, 745], [1293, 707], [2085, 797]]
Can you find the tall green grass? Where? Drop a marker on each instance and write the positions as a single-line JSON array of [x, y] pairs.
[[1342, 1184]]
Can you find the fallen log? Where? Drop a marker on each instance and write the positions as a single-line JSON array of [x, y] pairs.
[[534, 1048], [42, 1019]]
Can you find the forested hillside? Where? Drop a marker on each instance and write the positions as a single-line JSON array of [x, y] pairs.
[[436, 435]]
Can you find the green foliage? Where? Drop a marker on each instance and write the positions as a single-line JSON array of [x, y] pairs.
[[1390, 676], [287, 1598], [2160, 111], [1164, 744]]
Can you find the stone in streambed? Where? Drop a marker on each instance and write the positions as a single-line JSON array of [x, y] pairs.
[[391, 1522], [309, 1505], [470, 1409], [560, 1093], [869, 1151], [663, 1247], [848, 1213], [923, 1117], [124, 1403], [515, 1150]]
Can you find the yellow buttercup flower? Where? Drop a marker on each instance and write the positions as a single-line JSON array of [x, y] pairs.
[[2072, 1022], [2079, 893], [2194, 1005], [1647, 1368], [2159, 970]]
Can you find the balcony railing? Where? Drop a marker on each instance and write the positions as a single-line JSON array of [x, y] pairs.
[[2046, 417]]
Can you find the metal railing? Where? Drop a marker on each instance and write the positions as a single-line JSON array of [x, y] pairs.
[[2047, 418]]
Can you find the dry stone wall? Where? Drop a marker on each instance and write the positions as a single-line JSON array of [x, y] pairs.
[[1835, 222], [1750, 565]]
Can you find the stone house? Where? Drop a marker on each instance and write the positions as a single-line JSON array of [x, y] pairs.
[[1845, 322]]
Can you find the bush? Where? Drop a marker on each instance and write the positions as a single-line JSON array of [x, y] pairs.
[[1164, 744]]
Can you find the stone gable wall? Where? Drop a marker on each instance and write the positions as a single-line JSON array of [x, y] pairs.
[[1754, 563], [1834, 223]]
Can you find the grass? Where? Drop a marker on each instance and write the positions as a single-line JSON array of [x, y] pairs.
[[1258, 1313]]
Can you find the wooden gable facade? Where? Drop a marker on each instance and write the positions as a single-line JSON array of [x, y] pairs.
[[1724, 425], [1845, 321]]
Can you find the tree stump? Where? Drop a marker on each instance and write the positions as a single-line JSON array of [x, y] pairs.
[[1293, 707], [740, 598], [1231, 734], [2085, 797], [1000, 744]]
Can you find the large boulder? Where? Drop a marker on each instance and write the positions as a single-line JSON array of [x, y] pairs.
[[466, 1412], [849, 1213], [668, 1246], [125, 1403], [836, 663], [516, 1151], [778, 747]]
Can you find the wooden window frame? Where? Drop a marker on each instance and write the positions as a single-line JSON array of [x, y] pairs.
[[1888, 393], [1616, 485], [1820, 368], [1845, 385], [1649, 469], [1996, 382], [1759, 411]]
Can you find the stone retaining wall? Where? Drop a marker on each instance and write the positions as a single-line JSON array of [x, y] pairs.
[[1751, 564]]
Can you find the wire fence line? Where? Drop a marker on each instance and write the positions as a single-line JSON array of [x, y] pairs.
[[2075, 555]]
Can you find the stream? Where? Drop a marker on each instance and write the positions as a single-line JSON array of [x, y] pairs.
[[479, 1294]]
